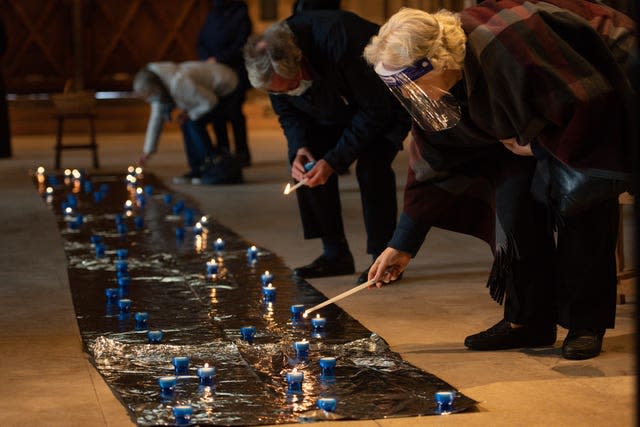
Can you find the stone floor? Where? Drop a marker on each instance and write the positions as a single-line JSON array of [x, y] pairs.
[[46, 379]]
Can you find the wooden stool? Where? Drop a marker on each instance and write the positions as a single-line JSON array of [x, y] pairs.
[[90, 116]]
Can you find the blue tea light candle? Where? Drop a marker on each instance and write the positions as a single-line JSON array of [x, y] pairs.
[[266, 277], [111, 294], [444, 401], [327, 404], [122, 266], [155, 337], [252, 253], [187, 216], [139, 222], [167, 198], [98, 196], [294, 380], [167, 384], [206, 374], [100, 250], [182, 414], [122, 228], [212, 267], [124, 305], [95, 239], [269, 292], [148, 189], [124, 281], [141, 318], [302, 349], [296, 311], [218, 245], [248, 333], [122, 254], [181, 365], [179, 233], [328, 366], [87, 187], [318, 322]]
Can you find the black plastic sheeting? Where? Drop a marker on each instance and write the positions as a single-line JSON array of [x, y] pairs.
[[201, 317]]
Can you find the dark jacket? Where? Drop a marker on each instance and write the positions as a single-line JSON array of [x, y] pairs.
[[224, 34], [346, 92]]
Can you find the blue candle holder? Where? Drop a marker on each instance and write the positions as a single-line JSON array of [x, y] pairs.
[[95, 239], [248, 333], [328, 366], [124, 281], [72, 201], [212, 267], [296, 312], [179, 233], [168, 199], [302, 349], [206, 374], [141, 318], [122, 228], [218, 245], [139, 222], [178, 207], [155, 337], [100, 250], [266, 278], [318, 322], [444, 401], [124, 305], [122, 254], [111, 294], [118, 219], [148, 189], [327, 404], [187, 216], [269, 292], [294, 380], [87, 187], [182, 414], [252, 254], [97, 196], [181, 365], [167, 384], [122, 266]]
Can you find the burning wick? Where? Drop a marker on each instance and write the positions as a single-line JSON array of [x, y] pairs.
[[288, 189]]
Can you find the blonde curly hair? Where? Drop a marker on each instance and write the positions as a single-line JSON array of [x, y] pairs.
[[412, 34]]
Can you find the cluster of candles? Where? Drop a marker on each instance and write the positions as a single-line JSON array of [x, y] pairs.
[[205, 374]]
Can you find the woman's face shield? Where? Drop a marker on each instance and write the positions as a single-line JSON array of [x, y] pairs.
[[432, 108]]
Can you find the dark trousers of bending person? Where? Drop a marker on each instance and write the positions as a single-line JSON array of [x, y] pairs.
[[564, 267], [320, 207], [230, 110]]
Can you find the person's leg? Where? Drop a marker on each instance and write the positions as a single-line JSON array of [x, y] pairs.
[[239, 126], [523, 270], [587, 278], [198, 145], [219, 123], [5, 134], [321, 215], [377, 182], [191, 149]]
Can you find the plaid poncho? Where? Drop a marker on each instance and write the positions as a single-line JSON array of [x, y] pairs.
[[552, 72]]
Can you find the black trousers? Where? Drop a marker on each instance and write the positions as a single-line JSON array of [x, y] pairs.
[[5, 133], [230, 110], [320, 208], [570, 279]]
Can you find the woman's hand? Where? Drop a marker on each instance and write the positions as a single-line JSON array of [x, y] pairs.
[[388, 266], [513, 146], [303, 156]]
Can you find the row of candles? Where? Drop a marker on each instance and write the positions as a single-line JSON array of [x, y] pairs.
[[206, 374]]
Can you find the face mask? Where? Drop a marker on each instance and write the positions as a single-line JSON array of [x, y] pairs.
[[434, 110], [300, 90]]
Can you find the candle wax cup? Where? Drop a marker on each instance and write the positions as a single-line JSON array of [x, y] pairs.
[[212, 267], [141, 317], [111, 293], [206, 374], [266, 278], [294, 380], [248, 333], [122, 254], [327, 404], [155, 337], [125, 305], [167, 384], [269, 293], [302, 349], [182, 412], [328, 366], [444, 401], [318, 322], [181, 364], [297, 310], [218, 245]]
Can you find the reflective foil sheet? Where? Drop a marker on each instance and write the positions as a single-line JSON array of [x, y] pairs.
[[201, 314]]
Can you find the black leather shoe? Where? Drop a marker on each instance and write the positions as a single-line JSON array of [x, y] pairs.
[[325, 267], [582, 344], [502, 336], [364, 276]]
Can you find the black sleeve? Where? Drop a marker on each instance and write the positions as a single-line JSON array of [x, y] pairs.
[[294, 123]]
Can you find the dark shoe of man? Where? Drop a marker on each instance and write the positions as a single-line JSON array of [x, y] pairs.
[[325, 267], [502, 336], [187, 178], [582, 344], [364, 276]]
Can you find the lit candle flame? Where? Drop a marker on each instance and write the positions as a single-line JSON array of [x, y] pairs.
[[318, 316], [139, 190], [206, 365], [67, 172], [131, 169], [287, 189], [128, 204], [138, 170], [204, 220], [266, 272], [305, 314], [76, 173], [40, 170], [49, 190]]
